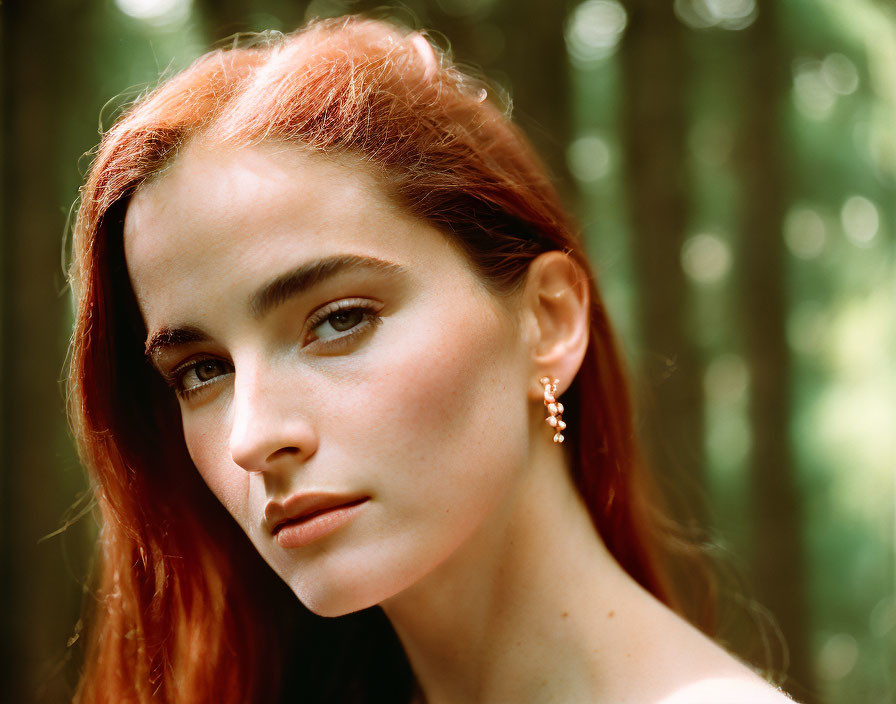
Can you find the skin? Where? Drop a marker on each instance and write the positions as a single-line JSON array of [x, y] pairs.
[[474, 540]]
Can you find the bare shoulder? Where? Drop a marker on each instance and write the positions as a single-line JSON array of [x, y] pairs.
[[728, 690]]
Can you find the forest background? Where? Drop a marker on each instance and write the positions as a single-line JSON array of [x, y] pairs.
[[733, 165]]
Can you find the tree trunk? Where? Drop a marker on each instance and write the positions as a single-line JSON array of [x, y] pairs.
[[654, 121], [778, 561], [39, 474], [534, 59]]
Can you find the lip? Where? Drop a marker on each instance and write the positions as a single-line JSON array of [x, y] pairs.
[[298, 534], [311, 512]]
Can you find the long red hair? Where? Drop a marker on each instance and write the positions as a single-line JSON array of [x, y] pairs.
[[185, 610]]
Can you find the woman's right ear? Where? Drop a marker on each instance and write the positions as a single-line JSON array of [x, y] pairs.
[[556, 305]]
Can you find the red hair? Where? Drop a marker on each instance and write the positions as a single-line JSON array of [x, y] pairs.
[[186, 610]]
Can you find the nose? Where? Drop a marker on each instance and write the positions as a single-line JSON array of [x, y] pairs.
[[271, 423]]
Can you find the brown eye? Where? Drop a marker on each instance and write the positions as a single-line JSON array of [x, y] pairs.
[[339, 325], [193, 377], [209, 369], [343, 320]]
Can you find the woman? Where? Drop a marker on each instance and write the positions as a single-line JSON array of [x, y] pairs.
[[339, 354]]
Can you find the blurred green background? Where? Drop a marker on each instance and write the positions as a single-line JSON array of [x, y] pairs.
[[733, 163]]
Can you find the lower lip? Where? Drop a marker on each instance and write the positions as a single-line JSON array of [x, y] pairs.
[[298, 534]]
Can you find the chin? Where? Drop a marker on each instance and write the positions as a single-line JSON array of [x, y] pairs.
[[332, 604], [336, 591], [336, 599]]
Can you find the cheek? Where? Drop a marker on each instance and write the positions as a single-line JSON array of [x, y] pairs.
[[446, 420], [207, 442]]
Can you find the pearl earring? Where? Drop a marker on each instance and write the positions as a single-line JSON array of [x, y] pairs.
[[555, 408]]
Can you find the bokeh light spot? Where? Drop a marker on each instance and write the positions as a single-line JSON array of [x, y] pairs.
[[721, 14], [589, 158], [706, 258], [594, 30], [840, 74], [860, 220], [157, 12], [812, 93], [837, 657]]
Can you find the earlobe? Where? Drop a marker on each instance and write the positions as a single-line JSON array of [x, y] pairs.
[[558, 303]]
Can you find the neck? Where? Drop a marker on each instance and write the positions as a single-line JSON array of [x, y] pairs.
[[534, 609]]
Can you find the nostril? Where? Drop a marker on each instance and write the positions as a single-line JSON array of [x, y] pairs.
[[284, 451]]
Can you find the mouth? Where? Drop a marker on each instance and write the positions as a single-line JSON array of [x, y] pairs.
[[314, 523], [308, 515]]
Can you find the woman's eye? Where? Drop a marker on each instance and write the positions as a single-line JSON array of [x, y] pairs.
[[209, 369], [197, 374], [334, 325], [344, 322]]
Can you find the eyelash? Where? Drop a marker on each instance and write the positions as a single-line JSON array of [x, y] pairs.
[[370, 311], [370, 320]]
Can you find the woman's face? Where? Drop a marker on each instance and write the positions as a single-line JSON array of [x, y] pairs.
[[322, 342]]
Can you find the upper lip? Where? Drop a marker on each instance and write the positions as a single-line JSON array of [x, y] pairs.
[[298, 506]]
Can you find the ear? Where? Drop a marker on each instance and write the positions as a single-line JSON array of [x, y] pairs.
[[556, 305]]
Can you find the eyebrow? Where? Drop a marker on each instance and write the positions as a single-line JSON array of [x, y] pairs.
[[278, 291]]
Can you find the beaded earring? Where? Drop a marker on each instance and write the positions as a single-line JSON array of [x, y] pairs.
[[555, 408]]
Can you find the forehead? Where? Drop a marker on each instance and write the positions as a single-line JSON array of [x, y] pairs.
[[219, 220], [207, 193]]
